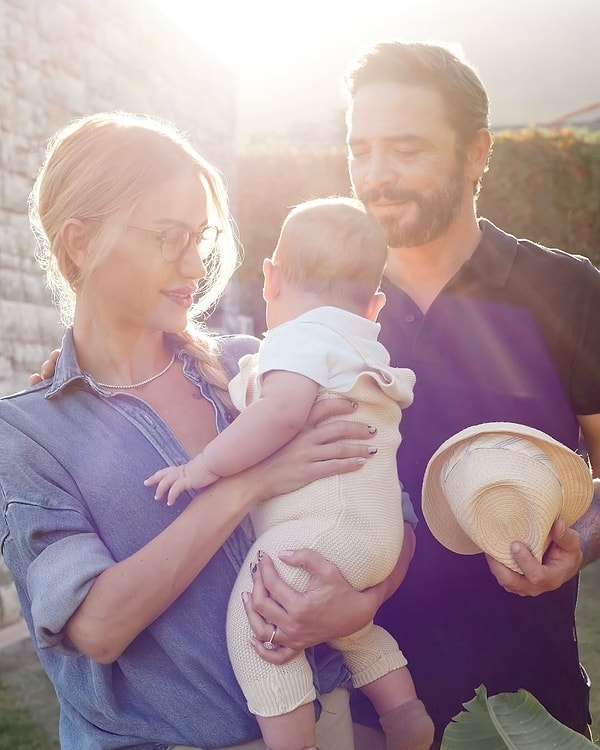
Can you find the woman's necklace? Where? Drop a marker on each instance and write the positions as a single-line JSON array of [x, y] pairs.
[[142, 382]]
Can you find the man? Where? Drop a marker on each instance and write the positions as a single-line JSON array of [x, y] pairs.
[[496, 329]]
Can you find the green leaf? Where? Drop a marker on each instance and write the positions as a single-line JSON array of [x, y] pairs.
[[516, 721]]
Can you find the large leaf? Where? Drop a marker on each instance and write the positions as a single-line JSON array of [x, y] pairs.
[[516, 721]]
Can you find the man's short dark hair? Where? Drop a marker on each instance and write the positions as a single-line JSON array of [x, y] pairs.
[[432, 66]]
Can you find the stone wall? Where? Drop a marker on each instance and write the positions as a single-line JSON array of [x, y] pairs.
[[65, 58]]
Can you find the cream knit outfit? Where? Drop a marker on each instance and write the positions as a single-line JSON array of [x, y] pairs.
[[354, 520]]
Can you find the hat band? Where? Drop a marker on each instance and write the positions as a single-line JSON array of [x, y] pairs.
[[498, 442]]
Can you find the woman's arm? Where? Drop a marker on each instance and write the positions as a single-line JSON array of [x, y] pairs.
[[131, 594]]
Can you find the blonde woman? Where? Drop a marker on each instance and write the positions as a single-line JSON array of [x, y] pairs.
[[126, 598]]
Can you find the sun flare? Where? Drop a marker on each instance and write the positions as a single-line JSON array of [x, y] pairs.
[[259, 33]]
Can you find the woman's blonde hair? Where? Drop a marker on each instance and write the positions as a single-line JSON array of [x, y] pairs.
[[99, 167]]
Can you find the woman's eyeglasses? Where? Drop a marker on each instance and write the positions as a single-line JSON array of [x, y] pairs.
[[175, 241]]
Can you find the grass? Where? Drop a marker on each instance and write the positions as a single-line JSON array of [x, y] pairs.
[[29, 710], [588, 628], [28, 705]]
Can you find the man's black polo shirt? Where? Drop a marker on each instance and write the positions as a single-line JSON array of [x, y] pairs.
[[512, 337]]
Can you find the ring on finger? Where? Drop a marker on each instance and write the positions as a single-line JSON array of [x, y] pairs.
[[269, 644]]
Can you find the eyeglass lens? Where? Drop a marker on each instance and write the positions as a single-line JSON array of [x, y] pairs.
[[176, 240]]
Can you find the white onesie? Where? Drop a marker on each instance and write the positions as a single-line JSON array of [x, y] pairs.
[[354, 520]]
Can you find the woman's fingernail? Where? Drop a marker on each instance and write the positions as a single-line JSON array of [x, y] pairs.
[[361, 461], [372, 450], [372, 429], [253, 568], [245, 597]]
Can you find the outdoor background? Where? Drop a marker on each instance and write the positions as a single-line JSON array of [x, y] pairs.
[[257, 86]]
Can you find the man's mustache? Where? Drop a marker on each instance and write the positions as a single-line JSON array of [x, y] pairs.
[[372, 195]]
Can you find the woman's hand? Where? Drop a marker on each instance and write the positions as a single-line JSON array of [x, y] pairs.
[[328, 609], [320, 449], [46, 370]]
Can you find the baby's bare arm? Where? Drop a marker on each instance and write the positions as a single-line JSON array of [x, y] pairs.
[[261, 429]]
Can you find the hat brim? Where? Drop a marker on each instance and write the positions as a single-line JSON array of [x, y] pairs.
[[572, 471]]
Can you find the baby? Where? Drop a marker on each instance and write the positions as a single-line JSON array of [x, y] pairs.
[[321, 292]]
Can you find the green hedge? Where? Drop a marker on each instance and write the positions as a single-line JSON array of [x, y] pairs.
[[269, 184], [546, 186], [541, 185]]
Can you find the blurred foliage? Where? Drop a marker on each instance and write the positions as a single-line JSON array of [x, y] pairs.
[[543, 185], [270, 183]]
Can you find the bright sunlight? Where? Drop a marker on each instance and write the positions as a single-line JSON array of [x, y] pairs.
[[260, 32], [288, 56]]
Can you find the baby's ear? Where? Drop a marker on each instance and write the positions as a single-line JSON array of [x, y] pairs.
[[272, 283], [375, 305]]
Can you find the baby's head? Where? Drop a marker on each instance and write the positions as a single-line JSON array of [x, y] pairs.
[[330, 252]]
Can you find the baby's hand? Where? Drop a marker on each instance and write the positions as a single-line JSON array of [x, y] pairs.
[[191, 476], [173, 478]]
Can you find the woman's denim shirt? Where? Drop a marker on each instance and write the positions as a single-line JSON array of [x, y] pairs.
[[73, 459]]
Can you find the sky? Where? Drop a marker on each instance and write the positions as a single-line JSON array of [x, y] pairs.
[[537, 58]]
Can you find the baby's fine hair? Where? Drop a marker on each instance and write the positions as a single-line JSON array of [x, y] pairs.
[[333, 248]]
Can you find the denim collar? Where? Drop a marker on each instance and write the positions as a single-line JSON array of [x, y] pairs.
[[68, 371]]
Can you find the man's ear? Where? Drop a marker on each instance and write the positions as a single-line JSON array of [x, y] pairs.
[[477, 153], [75, 237], [272, 283], [375, 305]]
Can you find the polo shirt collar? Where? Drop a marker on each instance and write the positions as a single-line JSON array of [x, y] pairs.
[[495, 255]]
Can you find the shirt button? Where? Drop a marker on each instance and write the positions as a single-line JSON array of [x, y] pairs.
[[410, 319]]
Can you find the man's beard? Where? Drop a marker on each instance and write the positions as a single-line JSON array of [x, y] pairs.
[[435, 211]]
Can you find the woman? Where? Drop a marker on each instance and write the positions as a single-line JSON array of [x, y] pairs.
[[125, 598]]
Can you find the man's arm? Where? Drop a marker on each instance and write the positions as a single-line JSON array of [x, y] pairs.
[[588, 525], [46, 370]]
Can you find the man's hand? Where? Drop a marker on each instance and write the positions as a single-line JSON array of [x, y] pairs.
[[46, 370], [561, 562]]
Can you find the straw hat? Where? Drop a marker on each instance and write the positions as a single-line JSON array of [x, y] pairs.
[[499, 482]]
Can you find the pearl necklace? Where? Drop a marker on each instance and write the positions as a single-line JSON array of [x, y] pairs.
[[142, 382]]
